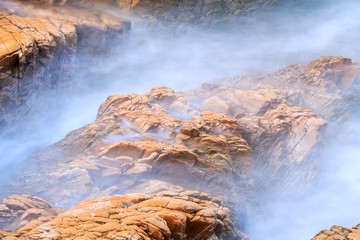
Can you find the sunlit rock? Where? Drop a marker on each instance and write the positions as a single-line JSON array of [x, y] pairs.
[[17, 211], [38, 49], [165, 215], [339, 233]]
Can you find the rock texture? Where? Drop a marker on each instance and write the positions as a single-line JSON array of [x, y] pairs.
[[328, 86], [17, 211], [284, 137], [166, 215], [233, 138], [135, 138], [193, 11], [38, 49], [339, 233]]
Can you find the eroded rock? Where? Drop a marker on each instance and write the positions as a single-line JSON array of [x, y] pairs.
[[136, 138], [38, 49], [165, 215], [17, 211], [339, 233]]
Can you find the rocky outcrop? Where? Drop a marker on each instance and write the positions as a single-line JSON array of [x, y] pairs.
[[285, 138], [222, 140], [136, 138], [328, 86], [38, 50], [17, 211], [166, 215], [158, 141], [339, 233], [194, 11]]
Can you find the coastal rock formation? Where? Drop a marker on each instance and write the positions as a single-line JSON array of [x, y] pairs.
[[193, 11], [339, 233], [136, 138], [38, 50], [328, 86], [158, 141], [17, 211], [284, 138], [165, 215]]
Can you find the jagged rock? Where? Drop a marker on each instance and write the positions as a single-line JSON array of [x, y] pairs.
[[17, 211], [194, 11], [136, 137], [165, 215], [38, 49], [328, 86], [339, 233], [286, 139]]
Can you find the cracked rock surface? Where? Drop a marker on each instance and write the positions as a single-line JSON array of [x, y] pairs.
[[38, 46], [339, 233], [165, 215]]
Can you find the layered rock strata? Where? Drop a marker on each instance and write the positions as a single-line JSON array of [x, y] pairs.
[[166, 215], [38, 49], [328, 86], [157, 141], [17, 211], [339, 233], [136, 138], [284, 136], [194, 11]]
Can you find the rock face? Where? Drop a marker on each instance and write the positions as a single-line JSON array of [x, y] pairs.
[[193, 11], [282, 134], [233, 138], [339, 233], [17, 211], [135, 138], [166, 215], [328, 86], [38, 50], [158, 141]]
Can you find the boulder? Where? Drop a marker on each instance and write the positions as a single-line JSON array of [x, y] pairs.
[[38, 48], [339, 233], [165, 215], [17, 211]]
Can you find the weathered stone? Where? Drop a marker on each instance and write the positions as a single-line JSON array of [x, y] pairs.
[[339, 233], [17, 211], [38, 49], [155, 216]]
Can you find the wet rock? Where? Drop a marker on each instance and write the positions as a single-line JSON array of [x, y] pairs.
[[38, 50], [136, 139], [328, 86], [156, 216], [339, 233], [17, 211], [194, 11]]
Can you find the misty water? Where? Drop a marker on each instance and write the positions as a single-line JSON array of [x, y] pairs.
[[293, 33]]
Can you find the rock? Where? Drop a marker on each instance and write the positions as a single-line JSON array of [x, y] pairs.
[[38, 50], [328, 86], [194, 11], [155, 216], [210, 139], [17, 211], [339, 233], [136, 139], [286, 139]]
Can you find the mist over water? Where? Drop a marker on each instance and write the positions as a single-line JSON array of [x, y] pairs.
[[333, 200], [289, 33]]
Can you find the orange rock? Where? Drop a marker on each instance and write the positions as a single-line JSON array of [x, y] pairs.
[[38, 49], [137, 216], [338, 232], [17, 211]]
